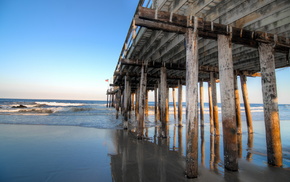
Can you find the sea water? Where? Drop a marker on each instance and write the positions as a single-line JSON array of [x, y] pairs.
[[58, 112], [92, 113]]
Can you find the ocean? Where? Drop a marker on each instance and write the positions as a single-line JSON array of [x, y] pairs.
[[92, 113], [58, 112], [78, 140]]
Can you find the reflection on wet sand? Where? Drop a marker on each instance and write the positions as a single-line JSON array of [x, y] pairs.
[[159, 158], [250, 146], [141, 160]]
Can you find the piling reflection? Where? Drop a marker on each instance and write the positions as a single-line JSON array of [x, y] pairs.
[[142, 160], [180, 143], [202, 145], [250, 146], [216, 152], [240, 146], [211, 159]]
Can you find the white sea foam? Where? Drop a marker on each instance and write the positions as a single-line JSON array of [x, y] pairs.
[[59, 104]]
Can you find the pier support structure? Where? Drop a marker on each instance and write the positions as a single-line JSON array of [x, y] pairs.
[[243, 80], [215, 109], [164, 110], [201, 103], [137, 95], [226, 75], [270, 100], [174, 102], [191, 38], [118, 102], [179, 103], [156, 110], [143, 90], [127, 99], [210, 106], [238, 106]]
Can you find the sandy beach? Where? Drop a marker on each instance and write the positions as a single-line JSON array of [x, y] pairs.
[[71, 153]]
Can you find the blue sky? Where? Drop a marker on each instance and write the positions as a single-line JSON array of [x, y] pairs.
[[66, 49], [61, 49]]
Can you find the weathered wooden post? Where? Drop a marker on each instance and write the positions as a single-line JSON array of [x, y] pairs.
[[156, 103], [133, 101], [108, 98], [201, 103], [238, 106], [191, 38], [179, 103], [113, 100], [127, 97], [270, 100], [137, 102], [243, 79], [174, 102], [210, 107], [118, 102], [164, 111], [143, 88], [226, 75], [215, 108], [146, 103]]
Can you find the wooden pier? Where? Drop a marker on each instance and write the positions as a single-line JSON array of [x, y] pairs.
[[186, 42]]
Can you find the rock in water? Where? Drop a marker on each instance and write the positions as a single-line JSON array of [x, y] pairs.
[[20, 106]]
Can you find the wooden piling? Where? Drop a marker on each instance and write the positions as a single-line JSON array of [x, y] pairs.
[[179, 103], [174, 102], [146, 104], [137, 102], [110, 99], [214, 104], [133, 101], [201, 103], [143, 85], [210, 108], [163, 96], [118, 102], [127, 97], [238, 106], [107, 98], [226, 75], [270, 100], [164, 110], [191, 38], [243, 80], [156, 113], [113, 100]]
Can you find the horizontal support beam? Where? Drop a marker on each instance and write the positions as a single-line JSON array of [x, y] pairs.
[[172, 66], [169, 66], [178, 23]]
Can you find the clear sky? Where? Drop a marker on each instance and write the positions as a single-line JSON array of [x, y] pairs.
[[66, 49]]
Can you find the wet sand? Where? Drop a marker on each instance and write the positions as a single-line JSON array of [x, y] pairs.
[[70, 153]]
